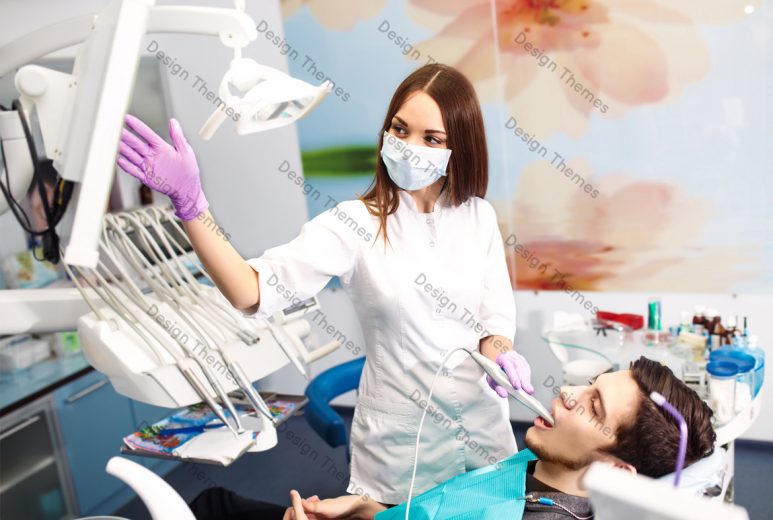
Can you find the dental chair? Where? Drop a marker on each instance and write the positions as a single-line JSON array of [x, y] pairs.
[[331, 383], [706, 477], [161, 500]]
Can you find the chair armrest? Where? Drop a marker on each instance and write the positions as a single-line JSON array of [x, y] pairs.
[[324, 388]]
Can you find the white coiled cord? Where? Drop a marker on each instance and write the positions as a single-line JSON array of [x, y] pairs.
[[421, 424]]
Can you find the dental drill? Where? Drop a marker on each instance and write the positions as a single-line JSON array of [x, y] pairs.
[[498, 375]]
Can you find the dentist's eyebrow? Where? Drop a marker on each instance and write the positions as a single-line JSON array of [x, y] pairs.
[[402, 122]]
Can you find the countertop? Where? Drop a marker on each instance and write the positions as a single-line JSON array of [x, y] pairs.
[[25, 386]]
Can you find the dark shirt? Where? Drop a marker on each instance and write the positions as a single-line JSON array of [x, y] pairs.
[[534, 485], [580, 506], [221, 504]]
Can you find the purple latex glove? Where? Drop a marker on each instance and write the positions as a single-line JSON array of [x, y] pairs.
[[518, 372], [171, 170]]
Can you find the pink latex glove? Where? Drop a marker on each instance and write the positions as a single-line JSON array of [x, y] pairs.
[[171, 170], [518, 372]]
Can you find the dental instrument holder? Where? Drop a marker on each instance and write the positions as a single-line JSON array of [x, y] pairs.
[[116, 352], [296, 350], [498, 375]]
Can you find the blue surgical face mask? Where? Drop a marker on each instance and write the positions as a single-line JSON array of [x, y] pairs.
[[413, 167]]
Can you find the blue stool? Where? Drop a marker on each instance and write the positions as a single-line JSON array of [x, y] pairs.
[[331, 383]]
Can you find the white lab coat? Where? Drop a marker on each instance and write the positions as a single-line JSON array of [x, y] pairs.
[[408, 328]]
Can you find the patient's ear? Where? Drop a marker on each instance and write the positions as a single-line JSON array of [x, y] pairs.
[[615, 462]]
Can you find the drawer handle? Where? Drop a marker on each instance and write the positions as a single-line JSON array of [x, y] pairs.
[[28, 422], [86, 391]]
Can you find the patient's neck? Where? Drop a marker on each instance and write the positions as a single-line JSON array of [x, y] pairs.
[[560, 477]]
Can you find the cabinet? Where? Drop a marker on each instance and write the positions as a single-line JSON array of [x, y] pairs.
[[53, 451], [33, 477], [92, 420]]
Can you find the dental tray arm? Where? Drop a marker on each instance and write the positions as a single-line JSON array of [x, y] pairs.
[[287, 331]]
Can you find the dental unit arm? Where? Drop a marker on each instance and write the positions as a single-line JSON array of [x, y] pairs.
[[73, 123], [80, 115]]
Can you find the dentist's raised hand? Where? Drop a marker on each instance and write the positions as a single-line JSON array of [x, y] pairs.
[[518, 372], [168, 169]]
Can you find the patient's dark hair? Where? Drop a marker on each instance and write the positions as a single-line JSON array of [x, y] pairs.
[[651, 441]]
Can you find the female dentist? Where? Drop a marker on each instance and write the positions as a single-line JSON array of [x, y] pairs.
[[422, 259]]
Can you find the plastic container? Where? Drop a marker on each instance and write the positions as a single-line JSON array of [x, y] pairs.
[[654, 314], [744, 390], [66, 343], [722, 382], [692, 345], [759, 366]]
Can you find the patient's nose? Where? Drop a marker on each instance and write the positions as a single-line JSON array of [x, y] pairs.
[[570, 395]]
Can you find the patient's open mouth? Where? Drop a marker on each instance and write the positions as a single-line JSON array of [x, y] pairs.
[[542, 424]]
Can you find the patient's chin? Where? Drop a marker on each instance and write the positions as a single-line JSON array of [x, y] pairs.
[[533, 442], [541, 448]]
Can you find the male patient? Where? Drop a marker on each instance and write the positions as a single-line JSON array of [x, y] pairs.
[[612, 420]]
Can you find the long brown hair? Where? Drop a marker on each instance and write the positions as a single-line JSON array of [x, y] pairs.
[[467, 172]]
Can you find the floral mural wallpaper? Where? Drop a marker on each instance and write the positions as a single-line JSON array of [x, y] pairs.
[[627, 139]]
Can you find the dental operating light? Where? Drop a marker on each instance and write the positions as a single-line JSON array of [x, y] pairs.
[[79, 116]]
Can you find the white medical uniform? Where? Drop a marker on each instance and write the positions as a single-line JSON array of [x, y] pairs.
[[409, 327]]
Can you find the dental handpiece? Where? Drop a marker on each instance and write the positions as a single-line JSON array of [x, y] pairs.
[[498, 375], [249, 391], [186, 370]]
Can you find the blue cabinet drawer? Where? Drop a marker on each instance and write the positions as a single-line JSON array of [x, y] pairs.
[[93, 419]]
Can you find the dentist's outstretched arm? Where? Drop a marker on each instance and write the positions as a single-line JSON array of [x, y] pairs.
[[173, 171]]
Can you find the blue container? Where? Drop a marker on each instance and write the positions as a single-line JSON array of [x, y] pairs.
[[722, 369], [744, 361], [759, 368]]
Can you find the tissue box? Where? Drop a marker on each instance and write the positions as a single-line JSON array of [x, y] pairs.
[[22, 351]]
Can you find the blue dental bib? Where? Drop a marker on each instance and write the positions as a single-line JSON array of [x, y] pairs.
[[494, 491]]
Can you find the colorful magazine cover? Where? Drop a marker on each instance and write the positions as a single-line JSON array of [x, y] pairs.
[[151, 439], [157, 439], [282, 409]]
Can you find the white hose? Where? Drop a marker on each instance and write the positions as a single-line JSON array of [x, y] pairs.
[[421, 424]]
